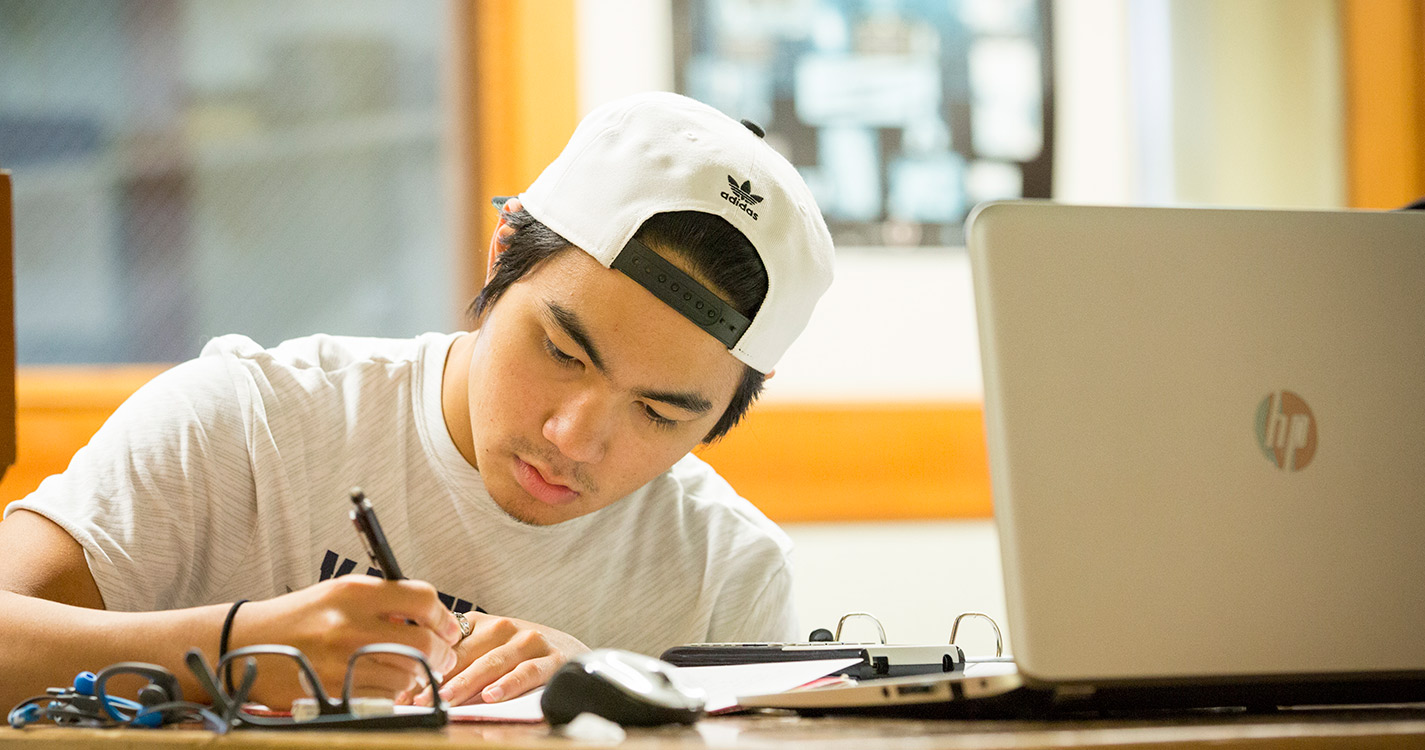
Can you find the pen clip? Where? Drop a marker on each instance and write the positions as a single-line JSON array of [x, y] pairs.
[[363, 531], [372, 538]]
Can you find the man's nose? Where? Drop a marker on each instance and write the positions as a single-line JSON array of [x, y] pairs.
[[581, 427]]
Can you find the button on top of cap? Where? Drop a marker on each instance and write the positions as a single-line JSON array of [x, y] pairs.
[[755, 128]]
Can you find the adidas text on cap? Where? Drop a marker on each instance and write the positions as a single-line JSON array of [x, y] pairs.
[[657, 152]]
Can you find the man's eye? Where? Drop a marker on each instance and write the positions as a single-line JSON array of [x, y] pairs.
[[556, 354], [657, 419]]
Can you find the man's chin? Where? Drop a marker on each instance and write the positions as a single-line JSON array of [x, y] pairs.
[[527, 510]]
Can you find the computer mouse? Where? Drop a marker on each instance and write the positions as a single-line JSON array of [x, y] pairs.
[[624, 687]]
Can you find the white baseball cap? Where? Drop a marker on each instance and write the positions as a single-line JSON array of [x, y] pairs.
[[656, 152]]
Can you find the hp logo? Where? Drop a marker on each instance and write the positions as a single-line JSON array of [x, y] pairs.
[[1286, 430]]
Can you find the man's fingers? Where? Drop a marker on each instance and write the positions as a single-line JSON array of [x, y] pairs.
[[425, 608], [384, 677], [522, 679], [400, 603], [461, 688], [508, 657], [420, 694], [481, 672], [488, 633], [440, 655], [408, 600]]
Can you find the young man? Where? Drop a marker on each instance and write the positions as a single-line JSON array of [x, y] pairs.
[[537, 469]]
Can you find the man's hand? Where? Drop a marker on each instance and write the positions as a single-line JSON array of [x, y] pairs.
[[504, 658], [332, 619]]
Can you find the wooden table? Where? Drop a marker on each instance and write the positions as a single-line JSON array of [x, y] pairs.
[[1394, 728]]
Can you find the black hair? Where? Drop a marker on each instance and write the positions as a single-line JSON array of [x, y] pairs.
[[713, 250]]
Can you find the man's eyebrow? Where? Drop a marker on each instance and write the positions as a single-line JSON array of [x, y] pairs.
[[686, 400], [574, 329]]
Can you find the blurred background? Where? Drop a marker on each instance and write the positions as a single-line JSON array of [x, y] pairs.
[[188, 168]]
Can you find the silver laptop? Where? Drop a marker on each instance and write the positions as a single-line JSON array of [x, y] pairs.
[[1207, 446]]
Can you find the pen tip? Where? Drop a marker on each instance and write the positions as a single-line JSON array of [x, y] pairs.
[[357, 495]]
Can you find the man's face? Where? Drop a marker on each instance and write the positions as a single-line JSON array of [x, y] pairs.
[[584, 387]]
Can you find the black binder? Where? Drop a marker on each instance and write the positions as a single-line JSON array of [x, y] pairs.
[[876, 659]]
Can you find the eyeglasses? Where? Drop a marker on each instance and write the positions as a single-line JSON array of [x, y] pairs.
[[379, 658]]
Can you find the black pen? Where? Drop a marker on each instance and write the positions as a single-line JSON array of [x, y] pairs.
[[364, 517]]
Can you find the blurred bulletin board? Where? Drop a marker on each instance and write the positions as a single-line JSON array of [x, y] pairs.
[[900, 114]]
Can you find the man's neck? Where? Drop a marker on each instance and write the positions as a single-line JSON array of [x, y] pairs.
[[455, 396]]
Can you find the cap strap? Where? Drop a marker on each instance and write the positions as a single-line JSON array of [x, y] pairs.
[[681, 292]]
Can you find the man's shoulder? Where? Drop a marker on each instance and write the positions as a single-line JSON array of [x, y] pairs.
[[319, 376], [697, 490], [326, 352]]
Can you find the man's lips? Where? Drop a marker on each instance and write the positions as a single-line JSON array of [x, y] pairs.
[[541, 489]]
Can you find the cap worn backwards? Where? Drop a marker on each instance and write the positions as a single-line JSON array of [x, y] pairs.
[[657, 152]]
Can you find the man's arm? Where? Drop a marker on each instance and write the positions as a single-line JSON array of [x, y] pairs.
[[55, 568], [52, 624]]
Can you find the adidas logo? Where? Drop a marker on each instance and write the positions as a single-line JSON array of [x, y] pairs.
[[741, 196], [744, 190]]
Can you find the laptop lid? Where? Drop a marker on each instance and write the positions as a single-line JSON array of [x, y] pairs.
[[1207, 442]]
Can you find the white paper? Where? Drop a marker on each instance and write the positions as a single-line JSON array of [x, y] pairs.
[[523, 708], [722, 685]]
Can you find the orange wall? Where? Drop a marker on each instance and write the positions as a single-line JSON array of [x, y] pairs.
[[854, 462], [57, 409], [514, 94], [1384, 49]]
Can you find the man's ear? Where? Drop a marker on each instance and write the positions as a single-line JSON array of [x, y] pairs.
[[769, 374], [496, 245], [499, 239]]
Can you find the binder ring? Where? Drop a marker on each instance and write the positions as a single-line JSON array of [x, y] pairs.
[[999, 641], [872, 618]]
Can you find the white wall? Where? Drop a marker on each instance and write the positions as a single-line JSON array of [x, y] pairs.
[[915, 577], [1095, 135], [1257, 103], [1223, 102], [893, 327], [1157, 101], [625, 46]]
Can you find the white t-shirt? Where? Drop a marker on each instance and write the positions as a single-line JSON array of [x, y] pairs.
[[227, 478]]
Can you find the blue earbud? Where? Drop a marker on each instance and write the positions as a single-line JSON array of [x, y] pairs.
[[84, 683], [25, 714], [146, 718], [81, 705], [162, 688]]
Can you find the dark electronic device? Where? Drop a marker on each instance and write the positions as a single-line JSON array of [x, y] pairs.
[[87, 703], [621, 686]]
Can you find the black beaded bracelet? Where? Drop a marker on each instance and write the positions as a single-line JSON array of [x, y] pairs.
[[223, 641]]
